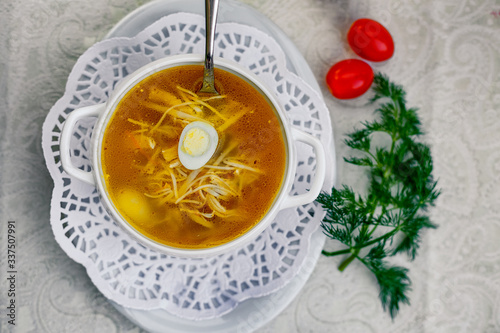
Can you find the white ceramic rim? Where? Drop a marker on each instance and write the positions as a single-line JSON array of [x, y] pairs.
[[96, 147]]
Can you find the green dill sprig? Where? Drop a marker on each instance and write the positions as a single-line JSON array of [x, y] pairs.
[[401, 189]]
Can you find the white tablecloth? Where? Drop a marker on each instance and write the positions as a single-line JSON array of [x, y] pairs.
[[447, 57]]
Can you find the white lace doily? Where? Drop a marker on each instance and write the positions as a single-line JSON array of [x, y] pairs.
[[132, 275]]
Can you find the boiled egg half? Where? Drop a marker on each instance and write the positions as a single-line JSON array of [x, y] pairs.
[[197, 144]]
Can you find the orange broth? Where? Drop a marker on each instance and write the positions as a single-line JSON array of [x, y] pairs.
[[228, 196]]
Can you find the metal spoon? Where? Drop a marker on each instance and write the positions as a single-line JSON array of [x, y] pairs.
[[211, 8]]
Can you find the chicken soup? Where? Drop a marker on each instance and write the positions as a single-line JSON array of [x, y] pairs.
[[214, 198]]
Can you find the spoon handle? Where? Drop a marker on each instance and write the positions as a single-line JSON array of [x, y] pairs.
[[211, 9]]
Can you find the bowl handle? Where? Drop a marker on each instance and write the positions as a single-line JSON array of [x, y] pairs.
[[67, 133], [319, 178]]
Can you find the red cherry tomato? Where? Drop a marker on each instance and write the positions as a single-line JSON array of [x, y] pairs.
[[349, 78], [370, 40]]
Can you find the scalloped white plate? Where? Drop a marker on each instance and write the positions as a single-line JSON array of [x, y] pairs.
[[253, 313]]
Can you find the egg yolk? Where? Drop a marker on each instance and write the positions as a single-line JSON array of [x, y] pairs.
[[196, 142]]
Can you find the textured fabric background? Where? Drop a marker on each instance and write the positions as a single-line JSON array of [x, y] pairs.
[[447, 57]]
